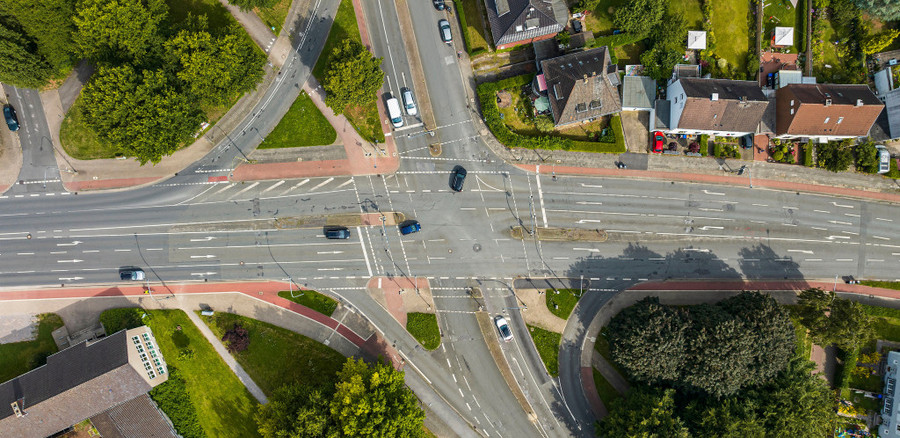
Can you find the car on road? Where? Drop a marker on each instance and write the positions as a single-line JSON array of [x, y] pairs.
[[439, 5], [409, 103], [659, 141], [444, 27], [393, 107], [410, 227], [12, 121], [503, 328], [337, 233], [131, 273], [458, 178]]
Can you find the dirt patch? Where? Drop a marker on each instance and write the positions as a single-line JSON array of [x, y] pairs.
[[538, 314], [561, 234], [504, 99]]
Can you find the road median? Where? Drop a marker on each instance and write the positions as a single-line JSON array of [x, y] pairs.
[[487, 330], [560, 234]]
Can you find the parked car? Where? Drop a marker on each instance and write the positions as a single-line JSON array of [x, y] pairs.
[[503, 328], [410, 227], [409, 103], [576, 26], [393, 107], [337, 233], [457, 178], [132, 273], [747, 141], [439, 4], [884, 159], [659, 141], [12, 121], [444, 27]]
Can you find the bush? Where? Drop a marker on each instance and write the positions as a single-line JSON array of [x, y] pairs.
[[842, 378], [834, 156], [237, 339], [172, 398], [125, 318], [778, 156], [808, 154], [894, 172], [487, 95], [704, 145], [718, 150], [622, 39]]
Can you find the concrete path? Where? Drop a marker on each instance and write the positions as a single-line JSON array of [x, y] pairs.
[[227, 357], [609, 373]]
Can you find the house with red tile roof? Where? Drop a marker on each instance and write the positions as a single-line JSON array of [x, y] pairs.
[[825, 112], [720, 107]]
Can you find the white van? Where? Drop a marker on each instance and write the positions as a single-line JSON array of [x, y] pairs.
[[394, 113], [884, 159]]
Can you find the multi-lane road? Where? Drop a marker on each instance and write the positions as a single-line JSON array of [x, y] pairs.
[[189, 228]]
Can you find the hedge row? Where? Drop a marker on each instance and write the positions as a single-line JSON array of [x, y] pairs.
[[464, 28], [842, 378], [172, 398], [704, 145], [808, 154], [487, 95]]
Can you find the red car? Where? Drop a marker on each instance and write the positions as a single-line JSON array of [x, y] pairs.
[[659, 141]]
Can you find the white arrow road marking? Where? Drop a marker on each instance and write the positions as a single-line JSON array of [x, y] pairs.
[[331, 269], [710, 227], [74, 242], [202, 273], [208, 256], [803, 251], [70, 261], [713, 193], [329, 252], [205, 239], [841, 205], [70, 278], [837, 237]]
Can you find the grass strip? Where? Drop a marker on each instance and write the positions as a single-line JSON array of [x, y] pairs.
[[302, 125], [312, 299], [547, 344], [561, 302], [424, 327], [606, 391]]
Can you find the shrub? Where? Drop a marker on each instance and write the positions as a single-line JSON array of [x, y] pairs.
[[867, 157], [237, 339], [718, 150], [125, 318], [842, 379], [808, 154], [894, 172], [834, 156], [704, 145], [778, 156], [172, 398]]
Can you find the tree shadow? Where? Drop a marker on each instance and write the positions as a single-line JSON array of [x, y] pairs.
[[761, 262]]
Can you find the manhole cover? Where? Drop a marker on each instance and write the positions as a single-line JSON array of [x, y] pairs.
[[476, 247]]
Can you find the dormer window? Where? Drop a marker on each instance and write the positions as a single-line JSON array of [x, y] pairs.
[[827, 119], [580, 108], [596, 104]]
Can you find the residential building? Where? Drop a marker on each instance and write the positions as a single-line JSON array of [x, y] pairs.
[[890, 410], [81, 382], [515, 22], [720, 107], [582, 86], [825, 112], [638, 93]]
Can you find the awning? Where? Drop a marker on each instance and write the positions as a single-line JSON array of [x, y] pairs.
[[542, 83]]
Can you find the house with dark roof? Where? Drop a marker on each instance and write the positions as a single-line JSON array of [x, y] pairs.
[[515, 22], [825, 112], [582, 86], [81, 382], [720, 107]]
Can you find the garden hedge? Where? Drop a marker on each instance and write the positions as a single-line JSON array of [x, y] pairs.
[[808, 154], [704, 145], [487, 95], [849, 358]]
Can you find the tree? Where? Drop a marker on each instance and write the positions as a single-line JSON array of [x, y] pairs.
[[640, 16], [295, 411], [834, 156], [832, 320], [879, 41], [769, 329], [215, 69], [237, 339], [246, 5], [884, 9], [729, 418], [353, 76], [49, 24], [373, 401], [644, 413], [867, 157], [118, 29], [667, 47], [143, 114], [798, 403], [20, 65], [648, 340]]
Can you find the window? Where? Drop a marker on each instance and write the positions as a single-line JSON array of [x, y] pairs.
[[827, 119], [792, 111], [792, 102], [840, 119], [596, 104], [580, 108]]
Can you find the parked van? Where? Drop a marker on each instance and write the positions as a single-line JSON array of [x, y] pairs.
[[884, 159], [394, 113]]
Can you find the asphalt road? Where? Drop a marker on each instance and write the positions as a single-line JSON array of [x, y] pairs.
[[39, 173], [190, 229]]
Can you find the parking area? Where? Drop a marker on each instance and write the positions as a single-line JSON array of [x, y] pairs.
[[636, 124]]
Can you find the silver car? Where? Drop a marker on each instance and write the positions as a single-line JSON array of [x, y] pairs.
[[444, 27], [409, 103], [503, 328]]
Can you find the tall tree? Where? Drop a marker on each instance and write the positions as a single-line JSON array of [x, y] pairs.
[[109, 30], [49, 23], [798, 403], [884, 9], [640, 16], [666, 47], [879, 41], [644, 413], [768, 328], [648, 340], [246, 5], [833, 320], [20, 65], [353, 76], [295, 411], [216, 68], [867, 157]]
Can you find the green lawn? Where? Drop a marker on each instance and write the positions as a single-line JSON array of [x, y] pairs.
[[785, 15], [600, 20], [607, 393], [424, 327], [277, 356], [312, 299], [547, 344], [224, 406], [274, 15], [20, 357], [693, 15], [302, 125], [562, 303], [80, 141], [730, 24], [629, 53], [477, 37], [882, 284], [218, 18]]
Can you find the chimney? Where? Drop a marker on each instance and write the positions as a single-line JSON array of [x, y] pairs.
[[859, 102], [715, 96], [827, 102]]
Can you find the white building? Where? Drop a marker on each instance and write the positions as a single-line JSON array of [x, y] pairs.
[[890, 411]]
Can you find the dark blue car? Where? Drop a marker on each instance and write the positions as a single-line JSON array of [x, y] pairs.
[[9, 113], [410, 227]]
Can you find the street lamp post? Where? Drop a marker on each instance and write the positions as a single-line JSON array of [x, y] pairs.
[[749, 173]]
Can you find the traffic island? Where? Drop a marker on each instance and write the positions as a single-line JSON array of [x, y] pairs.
[[555, 234]]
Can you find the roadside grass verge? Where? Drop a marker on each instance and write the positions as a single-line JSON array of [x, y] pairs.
[[274, 15], [547, 344], [20, 357], [895, 285], [276, 356], [80, 141], [302, 125], [319, 302], [606, 391], [560, 302], [424, 327], [223, 405]]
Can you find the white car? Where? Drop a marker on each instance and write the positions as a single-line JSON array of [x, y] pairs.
[[409, 103], [503, 328]]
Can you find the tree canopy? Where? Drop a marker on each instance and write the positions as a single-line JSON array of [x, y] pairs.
[[20, 65], [110, 30], [879, 41], [640, 16], [49, 23], [246, 5], [834, 156], [833, 320], [367, 401], [884, 9], [666, 48], [867, 157], [644, 413], [711, 349], [353, 76]]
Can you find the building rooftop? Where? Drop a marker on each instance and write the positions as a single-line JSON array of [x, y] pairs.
[[517, 20], [582, 86], [784, 36], [890, 410], [638, 92], [696, 40]]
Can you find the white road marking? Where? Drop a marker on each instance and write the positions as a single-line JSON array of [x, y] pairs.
[[244, 190], [365, 254], [322, 184], [273, 186], [713, 193], [537, 177], [883, 219], [204, 239], [840, 223], [812, 260], [803, 251], [843, 260], [822, 211], [851, 214], [879, 237], [208, 256], [74, 242], [70, 261], [841, 205]]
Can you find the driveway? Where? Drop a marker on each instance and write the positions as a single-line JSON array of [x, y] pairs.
[[636, 125]]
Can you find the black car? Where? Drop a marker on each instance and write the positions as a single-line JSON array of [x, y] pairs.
[[9, 113], [337, 233], [439, 5], [457, 178]]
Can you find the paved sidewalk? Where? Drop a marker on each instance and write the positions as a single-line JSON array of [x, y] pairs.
[[227, 357], [609, 373]]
